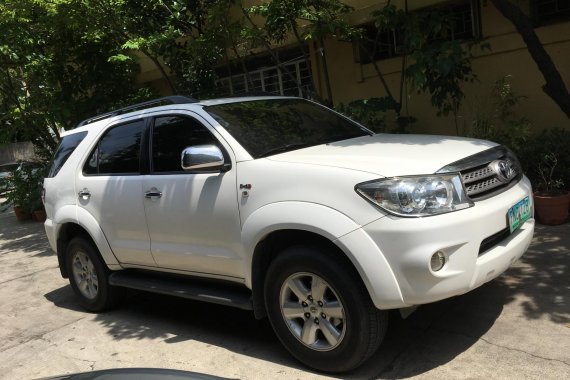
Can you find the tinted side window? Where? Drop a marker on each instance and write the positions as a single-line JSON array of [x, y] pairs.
[[118, 151], [64, 150], [170, 135]]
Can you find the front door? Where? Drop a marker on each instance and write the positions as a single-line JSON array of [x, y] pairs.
[[193, 218]]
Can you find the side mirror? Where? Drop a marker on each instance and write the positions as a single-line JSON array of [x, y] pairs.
[[208, 157]]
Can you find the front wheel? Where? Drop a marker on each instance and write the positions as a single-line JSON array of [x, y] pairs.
[[89, 277], [321, 311]]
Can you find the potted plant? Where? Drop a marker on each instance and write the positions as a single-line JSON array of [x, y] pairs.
[[16, 193], [550, 200], [23, 190], [36, 205]]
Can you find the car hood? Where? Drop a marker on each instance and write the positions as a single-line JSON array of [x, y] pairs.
[[389, 155]]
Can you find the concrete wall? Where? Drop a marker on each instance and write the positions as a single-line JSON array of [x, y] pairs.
[[22, 151]]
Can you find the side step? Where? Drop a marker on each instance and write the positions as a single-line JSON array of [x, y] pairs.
[[178, 286]]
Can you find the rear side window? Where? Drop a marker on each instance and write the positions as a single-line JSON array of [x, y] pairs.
[[64, 150], [118, 151]]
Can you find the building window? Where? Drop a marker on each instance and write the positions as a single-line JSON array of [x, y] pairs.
[[466, 26], [264, 76], [550, 11], [385, 41]]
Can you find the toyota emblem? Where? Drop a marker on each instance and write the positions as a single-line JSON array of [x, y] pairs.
[[504, 169]]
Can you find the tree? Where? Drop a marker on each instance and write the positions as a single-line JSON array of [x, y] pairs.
[[306, 20], [554, 86], [55, 70], [432, 61]]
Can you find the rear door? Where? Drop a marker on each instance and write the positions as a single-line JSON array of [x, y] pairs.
[[110, 188]]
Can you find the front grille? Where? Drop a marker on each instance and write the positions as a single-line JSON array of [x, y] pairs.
[[477, 184], [483, 174], [483, 182], [493, 240]]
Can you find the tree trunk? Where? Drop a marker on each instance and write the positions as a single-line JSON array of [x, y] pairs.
[[554, 86], [162, 71], [307, 60], [326, 73], [371, 55]]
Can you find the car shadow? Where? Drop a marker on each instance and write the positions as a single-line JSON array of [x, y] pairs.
[[173, 320], [436, 333], [432, 336]]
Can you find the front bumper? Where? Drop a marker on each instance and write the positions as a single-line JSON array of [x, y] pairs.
[[406, 245]]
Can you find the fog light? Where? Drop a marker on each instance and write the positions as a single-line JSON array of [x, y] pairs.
[[437, 261]]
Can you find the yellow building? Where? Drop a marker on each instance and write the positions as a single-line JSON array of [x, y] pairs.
[[353, 77]]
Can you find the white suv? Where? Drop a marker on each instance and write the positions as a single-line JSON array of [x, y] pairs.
[[284, 207]]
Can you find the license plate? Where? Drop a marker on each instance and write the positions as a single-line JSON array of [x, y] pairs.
[[518, 214]]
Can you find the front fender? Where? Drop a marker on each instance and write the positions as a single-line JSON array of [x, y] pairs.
[[333, 225]]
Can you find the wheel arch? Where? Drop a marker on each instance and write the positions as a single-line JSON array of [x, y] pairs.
[[74, 221], [274, 243], [298, 222]]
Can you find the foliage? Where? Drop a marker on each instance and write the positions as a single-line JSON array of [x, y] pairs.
[[548, 182], [503, 125], [545, 159], [55, 69], [306, 20], [432, 60], [176, 36], [373, 113], [310, 19], [440, 64], [23, 187], [543, 156]]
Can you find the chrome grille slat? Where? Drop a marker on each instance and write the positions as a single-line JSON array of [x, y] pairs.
[[483, 186], [477, 175]]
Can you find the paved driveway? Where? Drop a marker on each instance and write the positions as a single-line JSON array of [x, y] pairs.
[[515, 327]]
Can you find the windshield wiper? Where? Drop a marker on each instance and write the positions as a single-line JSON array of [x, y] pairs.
[[284, 148]]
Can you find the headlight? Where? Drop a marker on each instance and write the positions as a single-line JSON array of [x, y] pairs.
[[416, 196]]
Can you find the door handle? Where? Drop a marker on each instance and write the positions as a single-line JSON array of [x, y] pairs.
[[153, 193], [84, 194]]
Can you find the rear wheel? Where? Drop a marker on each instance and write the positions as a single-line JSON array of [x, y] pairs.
[[89, 277], [321, 311]]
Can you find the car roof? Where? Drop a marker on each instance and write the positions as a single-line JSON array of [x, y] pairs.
[[104, 119]]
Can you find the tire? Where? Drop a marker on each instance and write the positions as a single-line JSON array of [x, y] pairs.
[[335, 342], [89, 276]]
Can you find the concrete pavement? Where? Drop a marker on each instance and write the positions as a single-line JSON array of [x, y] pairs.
[[515, 327]]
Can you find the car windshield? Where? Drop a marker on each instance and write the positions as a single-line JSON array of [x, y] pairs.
[[271, 126]]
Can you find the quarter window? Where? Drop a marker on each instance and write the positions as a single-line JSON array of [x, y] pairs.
[[170, 135], [118, 151], [64, 150]]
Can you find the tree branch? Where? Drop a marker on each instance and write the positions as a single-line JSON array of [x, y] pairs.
[[554, 86], [272, 53]]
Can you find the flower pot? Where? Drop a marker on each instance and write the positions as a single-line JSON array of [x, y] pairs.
[[21, 214], [551, 209], [39, 215]]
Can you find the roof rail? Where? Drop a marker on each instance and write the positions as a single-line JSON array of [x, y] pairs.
[[254, 93], [175, 99]]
